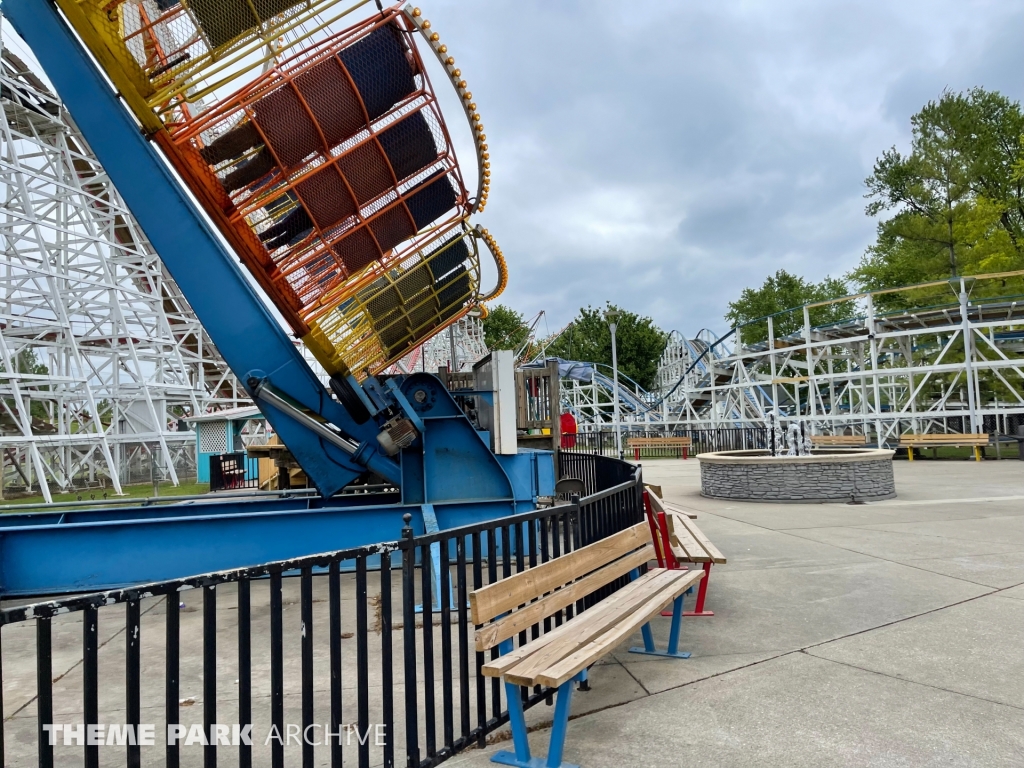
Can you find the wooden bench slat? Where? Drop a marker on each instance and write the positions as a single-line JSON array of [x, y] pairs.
[[655, 489], [490, 635], [704, 541], [679, 511], [645, 442], [506, 594], [660, 505], [681, 537], [592, 624], [582, 658], [946, 439], [606, 610], [496, 667], [838, 439]]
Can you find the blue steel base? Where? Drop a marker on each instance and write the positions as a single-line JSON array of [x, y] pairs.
[[672, 651], [507, 758], [677, 655], [517, 719]]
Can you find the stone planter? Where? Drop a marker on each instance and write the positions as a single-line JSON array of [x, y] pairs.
[[838, 474]]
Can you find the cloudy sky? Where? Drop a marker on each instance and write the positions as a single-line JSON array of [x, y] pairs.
[[665, 155]]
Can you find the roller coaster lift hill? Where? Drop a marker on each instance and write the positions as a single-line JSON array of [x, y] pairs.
[[351, 213]]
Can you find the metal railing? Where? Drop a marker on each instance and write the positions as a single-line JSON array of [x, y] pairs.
[[703, 440], [359, 664]]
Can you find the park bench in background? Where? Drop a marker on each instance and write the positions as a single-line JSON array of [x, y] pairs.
[[513, 605], [937, 439], [839, 441], [679, 541], [654, 447]]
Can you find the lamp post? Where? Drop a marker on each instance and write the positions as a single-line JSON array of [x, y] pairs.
[[611, 317]]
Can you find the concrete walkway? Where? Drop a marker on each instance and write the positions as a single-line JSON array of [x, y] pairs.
[[844, 635]]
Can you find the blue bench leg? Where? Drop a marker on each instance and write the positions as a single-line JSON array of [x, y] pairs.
[[521, 758], [558, 728], [673, 636]]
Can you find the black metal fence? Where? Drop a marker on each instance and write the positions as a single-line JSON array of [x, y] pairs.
[[1003, 424], [702, 440], [233, 471], [329, 658], [598, 473]]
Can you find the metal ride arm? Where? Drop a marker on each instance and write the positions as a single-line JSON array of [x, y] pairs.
[[248, 336]]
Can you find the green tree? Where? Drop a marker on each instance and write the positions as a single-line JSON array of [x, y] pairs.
[[784, 291], [957, 198], [639, 342], [26, 361], [504, 328]]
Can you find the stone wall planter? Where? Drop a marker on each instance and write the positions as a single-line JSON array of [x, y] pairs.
[[838, 474]]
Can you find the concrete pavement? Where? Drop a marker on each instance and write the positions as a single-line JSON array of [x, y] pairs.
[[877, 634]]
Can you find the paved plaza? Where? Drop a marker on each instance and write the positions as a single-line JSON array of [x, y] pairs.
[[886, 634]]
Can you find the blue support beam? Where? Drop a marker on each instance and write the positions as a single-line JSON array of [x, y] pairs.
[[56, 553], [248, 336]]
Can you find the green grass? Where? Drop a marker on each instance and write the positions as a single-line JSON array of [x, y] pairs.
[[144, 491]]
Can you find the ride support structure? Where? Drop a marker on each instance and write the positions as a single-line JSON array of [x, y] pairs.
[[406, 430]]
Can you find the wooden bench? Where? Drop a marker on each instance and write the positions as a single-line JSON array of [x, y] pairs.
[[934, 440], [680, 541], [851, 441], [557, 659], [675, 446]]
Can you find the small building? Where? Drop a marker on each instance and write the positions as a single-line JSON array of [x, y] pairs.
[[228, 431]]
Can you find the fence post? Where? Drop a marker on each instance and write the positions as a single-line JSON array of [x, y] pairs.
[[574, 517], [409, 640]]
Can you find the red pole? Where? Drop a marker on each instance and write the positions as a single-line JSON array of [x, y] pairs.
[[702, 592], [666, 540], [648, 509]]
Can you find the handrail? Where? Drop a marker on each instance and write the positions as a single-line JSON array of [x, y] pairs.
[[150, 501], [613, 490]]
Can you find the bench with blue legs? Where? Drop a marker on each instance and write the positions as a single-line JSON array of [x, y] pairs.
[[561, 657]]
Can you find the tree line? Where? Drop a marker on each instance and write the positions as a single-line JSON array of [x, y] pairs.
[[952, 206], [639, 340]]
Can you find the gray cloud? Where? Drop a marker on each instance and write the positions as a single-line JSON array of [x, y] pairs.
[[666, 155]]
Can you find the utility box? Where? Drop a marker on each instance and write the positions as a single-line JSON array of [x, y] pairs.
[[495, 383]]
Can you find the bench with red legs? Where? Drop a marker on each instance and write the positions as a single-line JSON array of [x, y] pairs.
[[678, 541]]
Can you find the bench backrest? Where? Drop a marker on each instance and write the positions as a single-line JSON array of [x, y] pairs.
[[688, 542], [946, 438], [512, 605], [647, 442], [838, 439]]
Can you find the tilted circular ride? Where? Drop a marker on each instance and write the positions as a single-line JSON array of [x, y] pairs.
[[320, 153]]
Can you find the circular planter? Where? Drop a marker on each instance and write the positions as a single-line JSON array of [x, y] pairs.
[[839, 474]]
